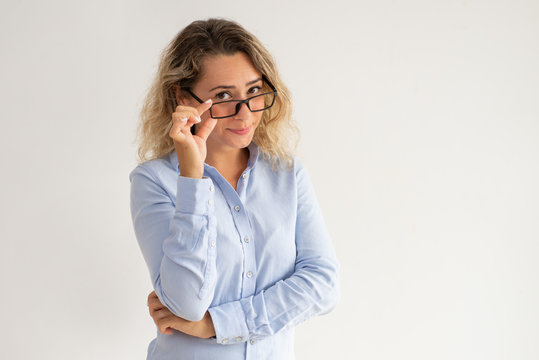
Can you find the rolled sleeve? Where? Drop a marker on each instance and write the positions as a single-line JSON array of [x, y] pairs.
[[194, 196]]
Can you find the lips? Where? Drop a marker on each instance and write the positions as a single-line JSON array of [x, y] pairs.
[[241, 131]]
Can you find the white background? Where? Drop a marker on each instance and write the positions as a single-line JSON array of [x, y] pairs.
[[419, 128]]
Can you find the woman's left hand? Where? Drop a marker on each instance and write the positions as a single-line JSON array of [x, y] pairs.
[[166, 321]]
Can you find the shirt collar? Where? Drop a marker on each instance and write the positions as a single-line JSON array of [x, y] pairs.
[[254, 152]]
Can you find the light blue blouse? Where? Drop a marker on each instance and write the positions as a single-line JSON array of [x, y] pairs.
[[259, 258]]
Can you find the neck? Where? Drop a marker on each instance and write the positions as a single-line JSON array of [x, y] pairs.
[[226, 158]]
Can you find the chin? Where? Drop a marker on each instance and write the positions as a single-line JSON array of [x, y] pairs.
[[240, 142]]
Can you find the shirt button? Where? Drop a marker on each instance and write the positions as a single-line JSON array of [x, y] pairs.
[[209, 202], [212, 243], [224, 341], [211, 188], [239, 338], [246, 239], [244, 176], [252, 341], [249, 274], [237, 208]]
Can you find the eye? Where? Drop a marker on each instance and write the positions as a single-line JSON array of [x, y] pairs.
[[223, 96], [254, 90]]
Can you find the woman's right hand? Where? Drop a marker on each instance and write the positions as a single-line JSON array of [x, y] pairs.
[[191, 149], [166, 320]]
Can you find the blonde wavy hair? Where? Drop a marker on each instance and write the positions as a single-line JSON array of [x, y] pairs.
[[181, 65]]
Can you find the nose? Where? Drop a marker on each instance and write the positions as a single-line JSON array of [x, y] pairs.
[[242, 111]]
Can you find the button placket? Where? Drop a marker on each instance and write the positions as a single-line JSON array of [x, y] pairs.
[[243, 227]]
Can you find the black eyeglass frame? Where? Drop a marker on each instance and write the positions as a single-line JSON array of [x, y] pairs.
[[239, 102]]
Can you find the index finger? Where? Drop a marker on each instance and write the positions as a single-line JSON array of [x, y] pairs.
[[205, 106]]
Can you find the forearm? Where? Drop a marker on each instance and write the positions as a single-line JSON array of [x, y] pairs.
[[307, 293]]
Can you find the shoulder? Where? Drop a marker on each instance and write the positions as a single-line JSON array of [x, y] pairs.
[[281, 166], [156, 169], [288, 176], [154, 180]]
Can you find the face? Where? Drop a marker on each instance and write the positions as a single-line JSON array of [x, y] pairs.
[[229, 77]]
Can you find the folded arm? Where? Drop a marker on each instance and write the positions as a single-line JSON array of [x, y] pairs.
[[313, 288]]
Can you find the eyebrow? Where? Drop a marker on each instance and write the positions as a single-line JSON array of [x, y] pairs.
[[232, 87]]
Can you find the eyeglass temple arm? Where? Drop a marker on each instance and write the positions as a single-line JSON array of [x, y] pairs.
[[268, 82], [193, 95]]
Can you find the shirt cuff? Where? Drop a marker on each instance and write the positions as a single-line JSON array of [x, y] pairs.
[[229, 323], [194, 196]]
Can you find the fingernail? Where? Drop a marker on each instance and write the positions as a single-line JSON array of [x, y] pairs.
[[183, 119], [198, 119], [207, 101]]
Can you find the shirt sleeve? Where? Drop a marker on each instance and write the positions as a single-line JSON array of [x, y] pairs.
[[177, 241], [313, 288]]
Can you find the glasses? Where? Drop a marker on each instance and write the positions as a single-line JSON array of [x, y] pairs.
[[228, 108]]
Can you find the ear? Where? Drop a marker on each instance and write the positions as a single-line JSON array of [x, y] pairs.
[[180, 96]]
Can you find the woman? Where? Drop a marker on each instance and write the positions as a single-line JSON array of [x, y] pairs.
[[225, 216]]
